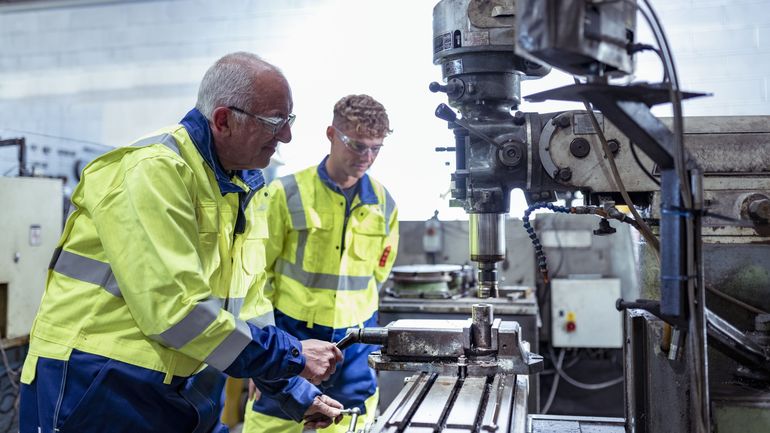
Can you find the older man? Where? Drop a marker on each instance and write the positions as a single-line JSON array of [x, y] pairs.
[[159, 273]]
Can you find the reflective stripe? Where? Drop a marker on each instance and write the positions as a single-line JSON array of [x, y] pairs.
[[317, 280], [167, 140], [263, 320], [390, 206], [202, 315], [294, 202], [295, 270], [232, 346], [85, 269], [299, 258], [234, 305], [99, 273], [93, 271]]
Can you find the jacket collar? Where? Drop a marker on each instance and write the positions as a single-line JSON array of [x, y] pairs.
[[198, 128], [366, 192]]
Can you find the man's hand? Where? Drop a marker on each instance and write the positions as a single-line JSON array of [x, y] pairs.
[[321, 358], [254, 392], [323, 412]]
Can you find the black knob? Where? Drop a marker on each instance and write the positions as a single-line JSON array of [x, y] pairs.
[[519, 119], [614, 146], [454, 88], [443, 112], [620, 304], [759, 210], [579, 147], [561, 121]]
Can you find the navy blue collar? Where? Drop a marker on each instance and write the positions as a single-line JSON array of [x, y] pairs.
[[198, 128], [365, 193]]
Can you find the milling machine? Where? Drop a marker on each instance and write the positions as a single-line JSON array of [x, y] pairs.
[[469, 374], [699, 193]]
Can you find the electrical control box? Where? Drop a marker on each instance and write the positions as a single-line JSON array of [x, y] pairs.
[[583, 313], [30, 227]]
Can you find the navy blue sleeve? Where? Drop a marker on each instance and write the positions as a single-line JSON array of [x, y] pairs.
[[294, 396], [271, 355]]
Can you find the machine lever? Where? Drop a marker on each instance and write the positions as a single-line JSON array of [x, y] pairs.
[[454, 88], [653, 307], [346, 341], [377, 336], [443, 112]]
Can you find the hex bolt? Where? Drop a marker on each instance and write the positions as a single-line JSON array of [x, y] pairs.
[[564, 174], [614, 146]]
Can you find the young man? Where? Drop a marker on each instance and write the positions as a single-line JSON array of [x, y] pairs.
[[333, 240], [160, 271]]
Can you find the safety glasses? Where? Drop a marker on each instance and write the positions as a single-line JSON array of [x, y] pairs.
[[356, 146], [274, 124]]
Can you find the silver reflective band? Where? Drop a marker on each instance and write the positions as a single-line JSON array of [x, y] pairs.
[[294, 270], [294, 202], [192, 325], [85, 269], [165, 139], [232, 346], [263, 320], [390, 206], [234, 306], [317, 280]]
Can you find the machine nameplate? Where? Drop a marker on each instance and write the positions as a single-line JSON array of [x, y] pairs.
[[442, 42], [583, 125]]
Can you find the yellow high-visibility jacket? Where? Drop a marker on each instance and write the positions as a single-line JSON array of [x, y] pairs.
[[325, 268], [149, 270]]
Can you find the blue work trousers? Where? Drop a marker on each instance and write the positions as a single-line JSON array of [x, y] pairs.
[[93, 394]]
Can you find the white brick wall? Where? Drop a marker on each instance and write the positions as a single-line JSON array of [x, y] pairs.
[[110, 71]]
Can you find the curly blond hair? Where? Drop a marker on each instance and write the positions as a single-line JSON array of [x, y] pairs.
[[363, 114]]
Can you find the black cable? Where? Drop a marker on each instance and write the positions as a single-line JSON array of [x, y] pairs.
[[639, 47], [639, 163]]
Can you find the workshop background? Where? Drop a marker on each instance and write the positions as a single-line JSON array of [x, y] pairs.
[[78, 77]]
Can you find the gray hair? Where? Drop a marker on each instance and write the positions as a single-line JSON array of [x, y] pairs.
[[230, 82]]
